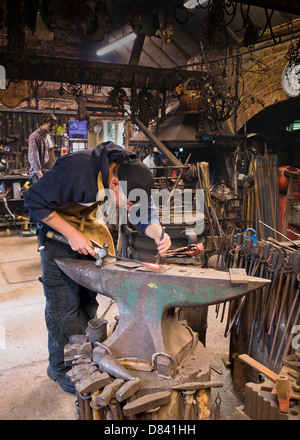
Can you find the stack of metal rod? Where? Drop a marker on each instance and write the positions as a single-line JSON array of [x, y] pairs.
[[263, 324]]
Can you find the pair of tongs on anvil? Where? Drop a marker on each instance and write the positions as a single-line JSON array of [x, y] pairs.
[[187, 251], [102, 252]]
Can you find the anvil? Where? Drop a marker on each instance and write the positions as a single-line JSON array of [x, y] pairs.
[[146, 300]]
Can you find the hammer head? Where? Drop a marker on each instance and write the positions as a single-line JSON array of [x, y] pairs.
[[102, 253]]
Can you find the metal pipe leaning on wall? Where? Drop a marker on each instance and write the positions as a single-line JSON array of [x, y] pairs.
[[265, 173]]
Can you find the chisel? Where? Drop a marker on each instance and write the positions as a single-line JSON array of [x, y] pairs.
[[161, 237]]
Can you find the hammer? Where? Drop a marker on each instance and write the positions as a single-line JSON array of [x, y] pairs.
[[161, 237], [101, 251]]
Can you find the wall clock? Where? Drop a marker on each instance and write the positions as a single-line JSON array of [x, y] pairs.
[[290, 79]]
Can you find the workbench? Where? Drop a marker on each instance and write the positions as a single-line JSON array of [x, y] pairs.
[[11, 197]]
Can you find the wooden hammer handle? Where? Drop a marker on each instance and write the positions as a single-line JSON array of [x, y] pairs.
[[57, 236]]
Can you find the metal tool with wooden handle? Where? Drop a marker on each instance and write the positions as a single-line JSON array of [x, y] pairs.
[[63, 239], [102, 252]]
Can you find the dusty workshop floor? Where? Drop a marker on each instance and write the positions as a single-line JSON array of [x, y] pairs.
[[26, 391]]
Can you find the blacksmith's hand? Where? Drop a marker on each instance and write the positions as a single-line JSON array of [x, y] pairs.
[[80, 243], [163, 244]]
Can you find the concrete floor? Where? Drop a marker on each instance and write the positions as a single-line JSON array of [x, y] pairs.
[[26, 391]]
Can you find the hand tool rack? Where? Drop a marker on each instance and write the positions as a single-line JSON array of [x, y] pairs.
[[262, 325]]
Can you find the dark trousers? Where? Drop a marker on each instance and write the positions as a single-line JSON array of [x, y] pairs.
[[69, 306]]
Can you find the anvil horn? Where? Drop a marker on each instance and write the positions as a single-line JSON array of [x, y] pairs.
[[146, 302]]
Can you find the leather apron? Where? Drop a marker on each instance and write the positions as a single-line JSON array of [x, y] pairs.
[[86, 219], [51, 160]]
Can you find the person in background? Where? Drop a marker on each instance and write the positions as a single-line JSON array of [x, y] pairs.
[[156, 159], [41, 147]]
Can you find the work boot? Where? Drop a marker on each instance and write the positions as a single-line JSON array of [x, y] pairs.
[[62, 380]]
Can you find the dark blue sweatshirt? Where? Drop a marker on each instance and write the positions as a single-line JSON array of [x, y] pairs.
[[74, 178]]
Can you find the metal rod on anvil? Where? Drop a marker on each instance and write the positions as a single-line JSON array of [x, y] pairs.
[[146, 300], [168, 167]]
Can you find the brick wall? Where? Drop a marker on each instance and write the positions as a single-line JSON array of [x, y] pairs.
[[260, 74], [64, 41], [48, 98], [262, 87]]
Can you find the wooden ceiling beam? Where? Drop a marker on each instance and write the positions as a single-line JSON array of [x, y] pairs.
[[65, 70], [137, 50]]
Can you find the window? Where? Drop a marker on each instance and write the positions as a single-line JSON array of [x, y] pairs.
[[114, 131], [75, 145], [293, 126]]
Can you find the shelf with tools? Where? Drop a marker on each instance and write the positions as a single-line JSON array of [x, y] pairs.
[[16, 125], [13, 214]]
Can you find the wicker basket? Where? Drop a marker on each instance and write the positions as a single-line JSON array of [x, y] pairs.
[[190, 104], [190, 96]]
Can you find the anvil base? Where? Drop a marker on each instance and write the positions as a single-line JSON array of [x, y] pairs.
[[185, 396], [196, 367]]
